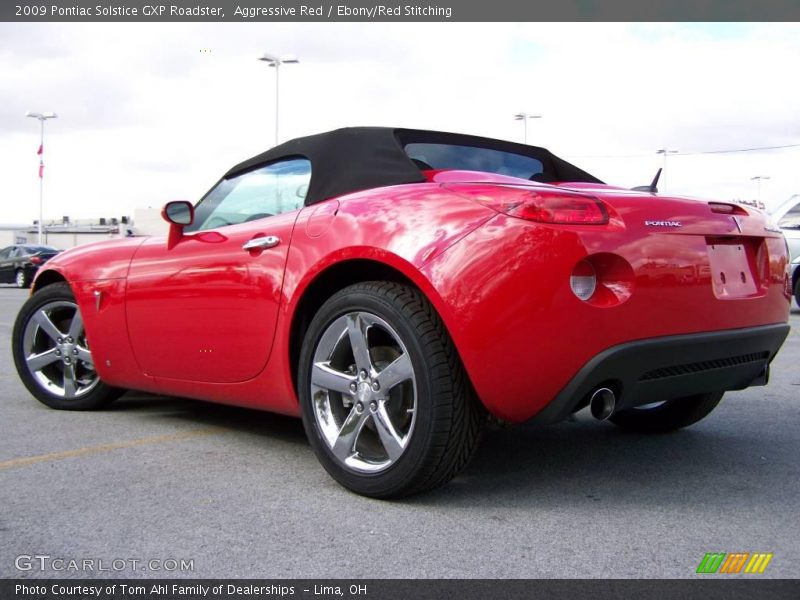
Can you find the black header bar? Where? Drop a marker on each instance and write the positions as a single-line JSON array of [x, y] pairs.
[[400, 11]]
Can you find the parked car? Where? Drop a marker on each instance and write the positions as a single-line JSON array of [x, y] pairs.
[[18, 264], [396, 288], [787, 217]]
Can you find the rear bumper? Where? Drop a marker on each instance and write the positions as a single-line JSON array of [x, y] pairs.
[[663, 368]]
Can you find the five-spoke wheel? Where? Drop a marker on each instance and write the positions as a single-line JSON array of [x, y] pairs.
[[386, 405], [363, 390], [56, 351], [52, 354]]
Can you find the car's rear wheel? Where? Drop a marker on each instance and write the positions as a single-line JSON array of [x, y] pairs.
[[386, 403], [797, 291], [21, 279], [52, 354], [667, 416]]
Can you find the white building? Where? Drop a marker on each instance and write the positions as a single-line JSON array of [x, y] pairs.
[[68, 233]]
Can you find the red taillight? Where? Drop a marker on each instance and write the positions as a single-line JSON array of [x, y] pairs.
[[36, 260], [558, 207], [565, 210], [727, 209]]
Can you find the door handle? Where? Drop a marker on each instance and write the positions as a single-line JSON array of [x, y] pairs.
[[262, 243]]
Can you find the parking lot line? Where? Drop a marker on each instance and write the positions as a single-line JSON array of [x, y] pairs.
[[147, 441]]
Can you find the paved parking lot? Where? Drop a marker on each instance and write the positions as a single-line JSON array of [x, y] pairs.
[[240, 494]]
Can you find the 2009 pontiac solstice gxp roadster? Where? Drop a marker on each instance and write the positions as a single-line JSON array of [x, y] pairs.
[[397, 287]]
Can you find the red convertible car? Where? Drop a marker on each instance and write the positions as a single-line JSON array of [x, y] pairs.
[[398, 288]]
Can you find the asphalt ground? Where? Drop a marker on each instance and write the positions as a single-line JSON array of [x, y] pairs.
[[240, 494]]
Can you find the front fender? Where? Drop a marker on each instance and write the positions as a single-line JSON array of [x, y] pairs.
[[109, 259]]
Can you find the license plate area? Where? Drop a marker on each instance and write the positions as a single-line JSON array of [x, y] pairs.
[[732, 273]]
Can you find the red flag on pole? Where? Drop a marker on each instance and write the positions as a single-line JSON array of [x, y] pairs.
[[41, 149]]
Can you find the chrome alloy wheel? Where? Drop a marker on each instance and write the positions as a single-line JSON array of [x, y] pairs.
[[56, 352], [364, 392], [21, 279]]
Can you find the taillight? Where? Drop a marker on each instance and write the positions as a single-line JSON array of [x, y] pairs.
[[559, 207], [727, 209], [36, 260], [762, 263], [565, 210]]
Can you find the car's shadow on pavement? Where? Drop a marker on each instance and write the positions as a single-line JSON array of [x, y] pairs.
[[580, 461], [199, 413], [589, 462]]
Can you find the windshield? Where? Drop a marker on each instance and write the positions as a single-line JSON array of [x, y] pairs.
[[791, 220], [37, 249], [473, 158]]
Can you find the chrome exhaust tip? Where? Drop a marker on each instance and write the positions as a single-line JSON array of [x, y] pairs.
[[602, 403]]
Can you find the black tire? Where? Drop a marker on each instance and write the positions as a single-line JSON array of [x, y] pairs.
[[797, 292], [21, 279], [448, 418], [99, 394], [669, 416]]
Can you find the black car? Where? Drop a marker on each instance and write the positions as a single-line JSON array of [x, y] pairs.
[[18, 264]]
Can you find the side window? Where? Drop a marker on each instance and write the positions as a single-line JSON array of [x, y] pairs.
[[271, 190], [15, 252], [4, 253], [791, 220]]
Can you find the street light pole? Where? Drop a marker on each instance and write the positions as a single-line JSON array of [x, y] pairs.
[[665, 152], [276, 62], [42, 117], [758, 179], [523, 116]]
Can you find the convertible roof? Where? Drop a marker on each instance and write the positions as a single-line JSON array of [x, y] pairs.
[[359, 158]]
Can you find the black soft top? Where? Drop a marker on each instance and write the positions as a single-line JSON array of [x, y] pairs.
[[359, 158]]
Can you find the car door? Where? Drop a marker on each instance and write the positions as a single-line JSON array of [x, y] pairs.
[[6, 265], [206, 308]]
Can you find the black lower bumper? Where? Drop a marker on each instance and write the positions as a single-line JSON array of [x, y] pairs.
[[664, 368]]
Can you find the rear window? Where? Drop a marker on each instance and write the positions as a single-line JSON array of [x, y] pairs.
[[473, 158]]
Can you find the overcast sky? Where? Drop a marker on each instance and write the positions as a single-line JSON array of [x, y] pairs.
[[146, 117]]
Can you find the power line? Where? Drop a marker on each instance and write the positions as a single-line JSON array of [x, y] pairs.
[[728, 151], [740, 150]]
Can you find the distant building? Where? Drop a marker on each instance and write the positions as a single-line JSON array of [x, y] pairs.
[[68, 233]]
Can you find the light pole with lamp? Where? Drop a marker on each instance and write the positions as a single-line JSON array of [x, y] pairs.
[[523, 116], [758, 178], [42, 118], [665, 152], [276, 62]]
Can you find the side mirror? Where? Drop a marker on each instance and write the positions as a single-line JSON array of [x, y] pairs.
[[178, 214]]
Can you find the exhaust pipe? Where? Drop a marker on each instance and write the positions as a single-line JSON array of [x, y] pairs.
[[602, 403]]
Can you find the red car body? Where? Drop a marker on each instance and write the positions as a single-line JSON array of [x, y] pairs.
[[205, 320], [687, 299]]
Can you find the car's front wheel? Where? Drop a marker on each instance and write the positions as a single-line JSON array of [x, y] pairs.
[[386, 403], [21, 279], [667, 416], [52, 354]]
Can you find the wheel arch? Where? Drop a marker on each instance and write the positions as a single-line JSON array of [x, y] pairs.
[[336, 277], [45, 278]]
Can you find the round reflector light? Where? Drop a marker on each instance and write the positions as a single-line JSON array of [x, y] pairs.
[[583, 280]]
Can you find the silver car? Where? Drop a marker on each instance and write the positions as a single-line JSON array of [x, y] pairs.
[[787, 217]]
